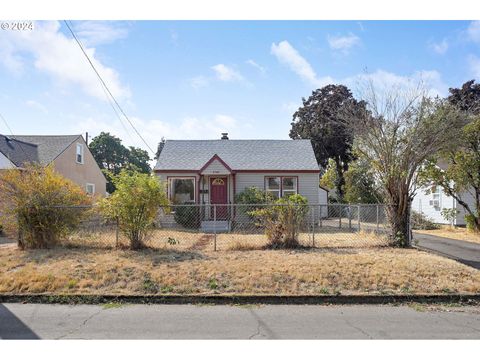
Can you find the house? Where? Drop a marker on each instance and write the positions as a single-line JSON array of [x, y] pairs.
[[432, 204], [69, 154], [214, 171]]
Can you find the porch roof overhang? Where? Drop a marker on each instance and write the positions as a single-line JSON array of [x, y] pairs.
[[226, 171]]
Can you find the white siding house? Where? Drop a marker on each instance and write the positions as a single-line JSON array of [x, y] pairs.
[[432, 204]]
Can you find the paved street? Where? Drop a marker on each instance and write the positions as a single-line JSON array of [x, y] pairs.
[[466, 252], [31, 321]]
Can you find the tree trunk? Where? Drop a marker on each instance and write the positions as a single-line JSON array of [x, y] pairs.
[[340, 181], [398, 216]]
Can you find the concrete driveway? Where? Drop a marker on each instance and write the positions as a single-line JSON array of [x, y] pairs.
[[37, 321], [465, 252]]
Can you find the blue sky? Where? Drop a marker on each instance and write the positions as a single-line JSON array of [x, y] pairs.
[[195, 79]]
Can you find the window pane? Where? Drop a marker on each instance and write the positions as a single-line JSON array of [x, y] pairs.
[[273, 183], [274, 193], [289, 183], [182, 191], [289, 192]]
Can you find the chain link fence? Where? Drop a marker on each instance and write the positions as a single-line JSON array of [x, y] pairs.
[[243, 227]]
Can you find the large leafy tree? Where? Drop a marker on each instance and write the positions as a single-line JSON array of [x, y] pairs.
[[457, 169], [399, 130], [317, 119], [113, 157], [466, 98]]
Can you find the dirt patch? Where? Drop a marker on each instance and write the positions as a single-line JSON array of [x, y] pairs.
[[202, 242]]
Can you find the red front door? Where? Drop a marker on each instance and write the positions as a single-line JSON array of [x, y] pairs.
[[219, 195]]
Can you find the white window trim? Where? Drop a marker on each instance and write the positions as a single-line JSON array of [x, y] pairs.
[[169, 186], [295, 178], [82, 152], [279, 190], [93, 187]]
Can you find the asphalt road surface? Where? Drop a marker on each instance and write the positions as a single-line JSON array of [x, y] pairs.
[[465, 252], [38, 321]]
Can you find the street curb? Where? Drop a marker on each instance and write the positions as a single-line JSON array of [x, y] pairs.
[[242, 299]]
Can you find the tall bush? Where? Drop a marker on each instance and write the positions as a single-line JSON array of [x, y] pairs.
[[40, 204], [135, 204], [283, 221]]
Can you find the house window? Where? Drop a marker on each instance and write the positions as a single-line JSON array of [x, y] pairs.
[[90, 189], [289, 186], [280, 186], [181, 190], [272, 186], [435, 202], [79, 156]]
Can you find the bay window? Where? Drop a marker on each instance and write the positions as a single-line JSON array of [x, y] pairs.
[[181, 190]]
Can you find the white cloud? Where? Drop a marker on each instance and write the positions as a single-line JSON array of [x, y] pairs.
[[51, 52], [190, 127], [36, 105], [94, 33], [474, 62], [256, 66], [198, 82], [343, 43], [288, 55], [383, 80], [225, 73], [441, 47], [473, 31]]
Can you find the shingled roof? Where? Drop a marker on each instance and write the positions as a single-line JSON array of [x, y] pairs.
[[239, 154], [42, 149], [49, 146], [18, 152]]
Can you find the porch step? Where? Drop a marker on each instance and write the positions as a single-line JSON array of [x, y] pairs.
[[219, 226]]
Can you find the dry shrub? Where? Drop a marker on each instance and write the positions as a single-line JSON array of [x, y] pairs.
[[243, 246], [40, 204]]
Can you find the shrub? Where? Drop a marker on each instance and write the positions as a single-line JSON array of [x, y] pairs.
[[421, 222], [135, 204], [283, 220], [41, 205], [252, 196], [187, 216], [449, 215], [470, 221]]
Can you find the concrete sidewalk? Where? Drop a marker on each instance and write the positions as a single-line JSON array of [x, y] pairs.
[[34, 321], [465, 252]]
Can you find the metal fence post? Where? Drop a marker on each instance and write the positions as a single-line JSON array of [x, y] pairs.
[[321, 215], [358, 216], [116, 232], [214, 227], [313, 226], [340, 217], [349, 217], [378, 220]]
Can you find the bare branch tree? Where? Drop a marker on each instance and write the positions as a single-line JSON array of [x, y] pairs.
[[400, 128]]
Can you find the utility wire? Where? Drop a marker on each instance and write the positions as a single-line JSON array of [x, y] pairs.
[[105, 85]]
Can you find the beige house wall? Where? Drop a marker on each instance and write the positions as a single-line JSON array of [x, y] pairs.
[[88, 172]]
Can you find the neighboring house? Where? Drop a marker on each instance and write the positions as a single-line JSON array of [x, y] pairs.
[[69, 155], [431, 204], [214, 171]]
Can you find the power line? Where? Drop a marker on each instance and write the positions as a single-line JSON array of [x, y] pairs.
[[105, 86]]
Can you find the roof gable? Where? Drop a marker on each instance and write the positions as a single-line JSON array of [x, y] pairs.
[[240, 155]]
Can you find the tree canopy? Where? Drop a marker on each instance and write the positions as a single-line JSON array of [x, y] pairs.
[[466, 98], [317, 119], [112, 157]]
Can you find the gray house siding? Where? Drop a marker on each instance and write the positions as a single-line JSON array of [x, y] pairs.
[[307, 183]]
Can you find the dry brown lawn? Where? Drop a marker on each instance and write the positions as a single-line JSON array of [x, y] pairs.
[[169, 271], [455, 233]]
